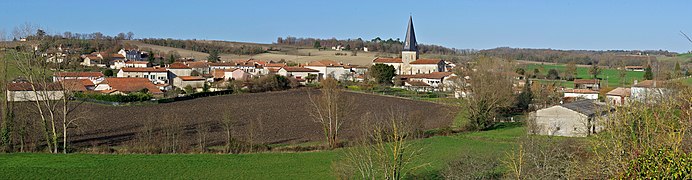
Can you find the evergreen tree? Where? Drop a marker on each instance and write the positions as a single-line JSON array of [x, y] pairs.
[[213, 56], [648, 74], [525, 97], [677, 71], [317, 45], [382, 73]]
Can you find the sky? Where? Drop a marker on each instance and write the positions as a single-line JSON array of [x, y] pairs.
[[475, 24]]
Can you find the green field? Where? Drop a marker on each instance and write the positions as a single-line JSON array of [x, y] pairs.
[[304, 165], [611, 76]]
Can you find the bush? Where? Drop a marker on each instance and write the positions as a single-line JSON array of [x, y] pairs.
[[132, 97], [660, 164]]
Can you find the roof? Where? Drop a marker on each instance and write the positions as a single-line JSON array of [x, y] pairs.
[[634, 67], [326, 63], [586, 107], [650, 84], [200, 64], [222, 64], [137, 62], [147, 69], [586, 81], [274, 65], [299, 69], [417, 83], [117, 56], [129, 84], [620, 91], [78, 74], [427, 61], [191, 78], [25, 86], [433, 75], [221, 73], [581, 91], [77, 84], [387, 60], [178, 65], [410, 43]]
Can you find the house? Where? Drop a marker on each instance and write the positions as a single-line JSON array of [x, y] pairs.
[[634, 68], [328, 68], [269, 67], [92, 76], [425, 66], [618, 96], [126, 85], [78, 85], [24, 91], [433, 81], [576, 119], [136, 64], [201, 67], [581, 94], [300, 73], [648, 90], [230, 74], [179, 69], [593, 84], [132, 55], [90, 60], [193, 81], [155, 74]]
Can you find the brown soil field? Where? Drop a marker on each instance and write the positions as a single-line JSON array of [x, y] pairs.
[[280, 118]]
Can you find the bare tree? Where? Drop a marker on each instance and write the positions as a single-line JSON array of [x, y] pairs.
[[329, 109], [3, 35], [490, 87], [227, 123], [130, 35]]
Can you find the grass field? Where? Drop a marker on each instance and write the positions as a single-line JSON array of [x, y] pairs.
[[306, 165], [611, 76]]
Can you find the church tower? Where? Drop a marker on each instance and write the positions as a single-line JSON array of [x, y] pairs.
[[410, 51]]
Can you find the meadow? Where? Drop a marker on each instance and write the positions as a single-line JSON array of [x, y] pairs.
[[437, 152], [610, 76]]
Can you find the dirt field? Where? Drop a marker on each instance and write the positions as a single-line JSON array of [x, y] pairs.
[[294, 54], [280, 117]]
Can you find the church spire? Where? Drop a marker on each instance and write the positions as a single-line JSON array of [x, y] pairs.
[[410, 44]]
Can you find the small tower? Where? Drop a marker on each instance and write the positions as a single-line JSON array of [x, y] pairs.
[[410, 51]]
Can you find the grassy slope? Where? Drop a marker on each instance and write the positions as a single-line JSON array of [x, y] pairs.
[[307, 165], [611, 75]]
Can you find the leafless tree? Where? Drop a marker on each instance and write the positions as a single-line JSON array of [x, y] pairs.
[[130, 35], [228, 122], [330, 109], [490, 87]]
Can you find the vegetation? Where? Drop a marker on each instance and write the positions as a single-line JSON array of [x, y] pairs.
[[205, 46], [610, 77], [132, 97], [382, 73]]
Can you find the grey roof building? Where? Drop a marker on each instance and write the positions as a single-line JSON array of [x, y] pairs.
[[410, 43], [575, 119]]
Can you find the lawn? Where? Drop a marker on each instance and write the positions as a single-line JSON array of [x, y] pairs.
[[437, 151], [611, 76]]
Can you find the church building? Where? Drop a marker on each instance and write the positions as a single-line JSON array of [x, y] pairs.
[[409, 63]]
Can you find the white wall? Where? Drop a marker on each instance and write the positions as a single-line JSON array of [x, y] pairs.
[[560, 121], [34, 96]]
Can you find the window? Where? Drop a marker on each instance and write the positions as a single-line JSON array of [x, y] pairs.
[[153, 76], [146, 76]]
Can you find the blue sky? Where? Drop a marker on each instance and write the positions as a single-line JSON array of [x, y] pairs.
[[476, 24]]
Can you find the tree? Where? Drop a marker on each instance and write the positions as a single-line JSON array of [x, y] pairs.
[[525, 97], [120, 36], [130, 35], [677, 72], [151, 58], [594, 71], [520, 71], [108, 72], [490, 87], [570, 71], [213, 56], [553, 74], [330, 109], [382, 73], [648, 74], [317, 45]]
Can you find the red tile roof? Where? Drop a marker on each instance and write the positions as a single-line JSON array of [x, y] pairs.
[[299, 69], [191, 78], [78, 74], [23, 86], [78, 85], [426, 61], [620, 91], [148, 69], [433, 75], [128, 85], [178, 65], [650, 84], [137, 62], [387, 60], [275, 65]]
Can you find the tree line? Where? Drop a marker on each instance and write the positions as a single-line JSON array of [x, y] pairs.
[[585, 57], [206, 47], [375, 45]]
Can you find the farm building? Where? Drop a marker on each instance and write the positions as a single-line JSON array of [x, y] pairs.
[[192, 81], [179, 69], [154, 74], [26, 92], [648, 90], [618, 96], [576, 119], [581, 94], [593, 84], [328, 68]]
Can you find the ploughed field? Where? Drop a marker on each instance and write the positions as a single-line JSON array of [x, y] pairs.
[[268, 118]]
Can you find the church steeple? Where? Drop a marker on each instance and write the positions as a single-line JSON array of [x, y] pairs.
[[410, 44]]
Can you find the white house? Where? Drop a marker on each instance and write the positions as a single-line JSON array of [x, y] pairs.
[[576, 119], [581, 94], [136, 64], [328, 68], [179, 69], [155, 74], [299, 73], [618, 96], [435, 81], [648, 91]]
